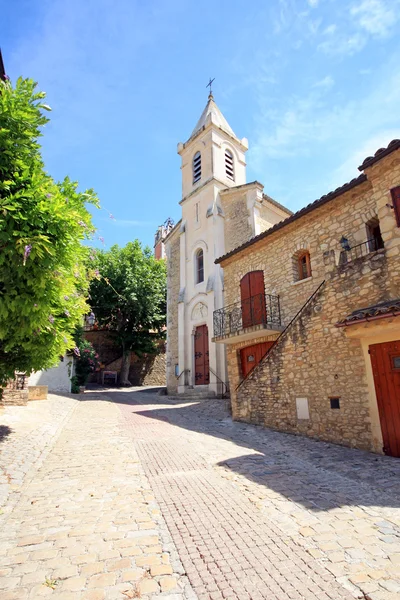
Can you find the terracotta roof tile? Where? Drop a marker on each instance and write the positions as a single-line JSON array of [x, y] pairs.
[[297, 215], [376, 311], [370, 160]]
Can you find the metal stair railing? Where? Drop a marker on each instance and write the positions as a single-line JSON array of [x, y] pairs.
[[284, 332], [220, 381]]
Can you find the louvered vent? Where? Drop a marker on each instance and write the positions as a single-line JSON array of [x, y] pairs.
[[229, 168], [196, 167]]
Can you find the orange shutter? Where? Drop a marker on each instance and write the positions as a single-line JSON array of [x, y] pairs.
[[395, 192]]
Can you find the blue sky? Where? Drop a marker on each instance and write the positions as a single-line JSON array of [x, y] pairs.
[[313, 84]]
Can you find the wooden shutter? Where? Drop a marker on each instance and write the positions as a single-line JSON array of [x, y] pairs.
[[245, 300], [257, 294], [395, 192], [252, 295]]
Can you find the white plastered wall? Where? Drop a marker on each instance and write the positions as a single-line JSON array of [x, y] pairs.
[[58, 379]]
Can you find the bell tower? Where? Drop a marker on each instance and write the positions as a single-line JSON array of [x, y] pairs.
[[212, 160], [212, 152]]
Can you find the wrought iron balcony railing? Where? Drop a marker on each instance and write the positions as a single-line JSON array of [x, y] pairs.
[[360, 250], [261, 309]]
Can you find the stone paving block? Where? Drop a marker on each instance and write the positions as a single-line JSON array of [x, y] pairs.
[[238, 536]]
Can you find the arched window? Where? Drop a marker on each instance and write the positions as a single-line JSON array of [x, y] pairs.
[[303, 265], [229, 165], [199, 266], [196, 167]]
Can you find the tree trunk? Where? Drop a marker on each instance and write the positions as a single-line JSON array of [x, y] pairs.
[[126, 363]]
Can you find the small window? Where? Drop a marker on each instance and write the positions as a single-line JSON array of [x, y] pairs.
[[197, 217], [196, 167], [395, 193], [335, 403], [304, 265], [229, 165], [199, 266], [395, 362]]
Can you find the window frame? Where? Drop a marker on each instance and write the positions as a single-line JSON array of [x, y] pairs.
[[196, 167], [229, 167], [300, 258], [199, 269]]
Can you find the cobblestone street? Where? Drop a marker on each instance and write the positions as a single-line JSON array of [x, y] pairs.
[[147, 496]]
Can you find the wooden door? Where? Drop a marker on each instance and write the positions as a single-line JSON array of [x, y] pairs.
[[252, 355], [252, 297], [385, 359], [201, 356]]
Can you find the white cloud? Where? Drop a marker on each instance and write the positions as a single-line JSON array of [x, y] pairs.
[[313, 3], [133, 223], [349, 168], [330, 29], [343, 44], [318, 120], [376, 17], [326, 83]]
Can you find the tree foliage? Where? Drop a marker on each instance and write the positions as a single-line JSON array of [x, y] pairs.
[[43, 277], [129, 297]]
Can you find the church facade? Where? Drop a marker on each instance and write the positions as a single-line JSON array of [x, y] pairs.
[[219, 211]]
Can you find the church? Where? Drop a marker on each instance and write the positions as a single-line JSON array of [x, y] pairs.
[[297, 315], [219, 212]]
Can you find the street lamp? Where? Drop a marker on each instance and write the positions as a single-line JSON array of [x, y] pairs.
[[344, 242]]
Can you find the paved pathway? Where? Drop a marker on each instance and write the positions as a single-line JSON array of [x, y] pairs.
[[246, 513], [85, 524], [243, 502]]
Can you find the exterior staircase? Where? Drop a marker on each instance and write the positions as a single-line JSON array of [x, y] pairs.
[[193, 394], [284, 333]]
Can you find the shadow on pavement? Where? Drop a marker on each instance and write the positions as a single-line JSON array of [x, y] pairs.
[[4, 432], [318, 475]]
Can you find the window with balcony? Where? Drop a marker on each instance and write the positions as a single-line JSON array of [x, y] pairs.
[[374, 236], [252, 297]]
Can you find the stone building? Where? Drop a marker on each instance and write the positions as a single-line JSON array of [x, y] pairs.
[[219, 211], [311, 313]]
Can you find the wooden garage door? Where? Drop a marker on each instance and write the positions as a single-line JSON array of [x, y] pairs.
[[385, 359], [251, 356]]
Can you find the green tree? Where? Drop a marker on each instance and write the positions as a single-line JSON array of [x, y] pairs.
[[43, 277], [129, 298]]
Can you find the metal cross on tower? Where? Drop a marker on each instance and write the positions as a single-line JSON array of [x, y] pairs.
[[209, 85]]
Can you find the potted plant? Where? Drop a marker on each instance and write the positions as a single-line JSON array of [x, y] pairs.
[[85, 363]]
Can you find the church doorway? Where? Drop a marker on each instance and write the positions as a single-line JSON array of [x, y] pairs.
[[201, 356]]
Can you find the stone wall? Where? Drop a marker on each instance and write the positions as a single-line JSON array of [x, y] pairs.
[[237, 223], [173, 284], [148, 369], [15, 393], [316, 360], [14, 398]]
